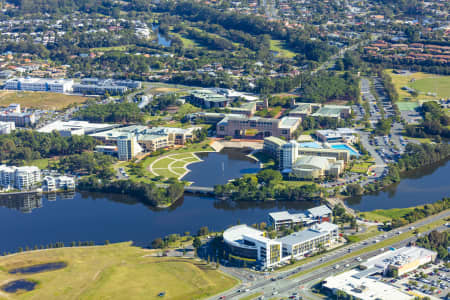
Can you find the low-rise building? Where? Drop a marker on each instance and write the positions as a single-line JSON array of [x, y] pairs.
[[346, 135], [333, 111], [302, 110], [284, 219], [207, 99]]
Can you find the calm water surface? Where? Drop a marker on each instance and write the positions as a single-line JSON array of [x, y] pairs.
[[29, 221]]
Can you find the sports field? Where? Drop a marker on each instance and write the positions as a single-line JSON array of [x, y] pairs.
[[423, 83], [41, 100], [405, 106], [173, 166], [117, 271]]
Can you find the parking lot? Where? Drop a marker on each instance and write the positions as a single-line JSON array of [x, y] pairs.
[[432, 280]]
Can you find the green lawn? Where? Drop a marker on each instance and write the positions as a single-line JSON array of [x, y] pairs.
[[423, 83], [162, 163], [177, 162], [116, 271], [40, 163], [360, 167], [405, 106], [278, 46], [114, 48]]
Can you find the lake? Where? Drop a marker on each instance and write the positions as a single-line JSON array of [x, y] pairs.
[[30, 220]]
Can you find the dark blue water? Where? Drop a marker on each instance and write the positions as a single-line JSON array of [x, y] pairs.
[[218, 168], [425, 185], [39, 268], [30, 221], [17, 285]]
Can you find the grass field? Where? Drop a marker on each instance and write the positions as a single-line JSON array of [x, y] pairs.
[[252, 296], [423, 83], [361, 167], [405, 106], [114, 48], [382, 215], [278, 46], [173, 166], [118, 271], [41, 100]]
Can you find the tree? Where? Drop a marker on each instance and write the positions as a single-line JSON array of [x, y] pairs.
[[197, 243], [203, 231], [157, 243]]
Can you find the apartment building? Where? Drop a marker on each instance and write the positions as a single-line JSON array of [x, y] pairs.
[[21, 178], [51, 183]]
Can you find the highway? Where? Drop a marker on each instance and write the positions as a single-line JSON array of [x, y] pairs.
[[285, 284]]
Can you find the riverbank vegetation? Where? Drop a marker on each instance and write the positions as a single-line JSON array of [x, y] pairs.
[[435, 123], [147, 193], [397, 217], [114, 270], [415, 156], [264, 187]]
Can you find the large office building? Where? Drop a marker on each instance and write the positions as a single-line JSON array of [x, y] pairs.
[[312, 167], [309, 240], [325, 161], [362, 285], [21, 178], [249, 243], [207, 99], [40, 85], [73, 127], [284, 219], [22, 119], [400, 261], [150, 139], [96, 86], [257, 127]]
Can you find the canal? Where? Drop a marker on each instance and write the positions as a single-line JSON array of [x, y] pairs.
[[30, 221]]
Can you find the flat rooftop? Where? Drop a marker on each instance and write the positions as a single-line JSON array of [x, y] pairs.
[[72, 125], [289, 122], [364, 288], [398, 257]]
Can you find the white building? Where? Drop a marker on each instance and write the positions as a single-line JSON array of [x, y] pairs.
[[310, 240], [22, 178], [284, 219], [364, 288], [127, 147], [73, 127], [247, 242], [40, 85], [7, 127], [288, 155], [51, 183]]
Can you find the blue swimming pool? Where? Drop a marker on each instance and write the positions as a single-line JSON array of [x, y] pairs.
[[345, 147]]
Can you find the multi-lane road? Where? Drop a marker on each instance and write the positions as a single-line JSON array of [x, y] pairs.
[[285, 283]]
